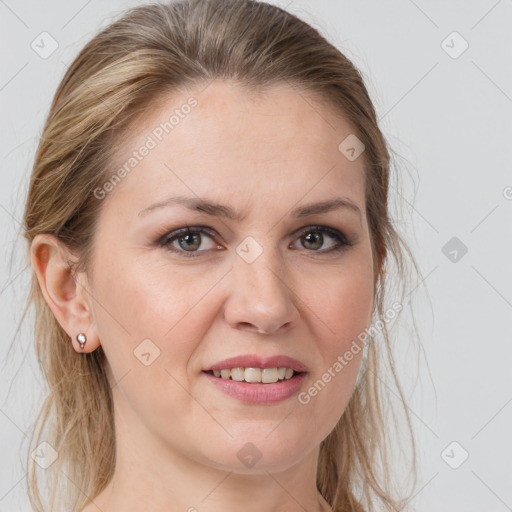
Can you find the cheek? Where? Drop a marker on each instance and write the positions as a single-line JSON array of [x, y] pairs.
[[147, 300], [341, 311], [349, 304], [148, 327], [151, 322], [343, 301], [344, 312]]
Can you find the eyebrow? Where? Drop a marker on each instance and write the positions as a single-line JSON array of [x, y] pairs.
[[219, 210]]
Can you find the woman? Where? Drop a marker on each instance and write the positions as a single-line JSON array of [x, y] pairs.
[[208, 227]]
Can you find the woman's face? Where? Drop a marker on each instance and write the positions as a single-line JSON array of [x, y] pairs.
[[166, 306]]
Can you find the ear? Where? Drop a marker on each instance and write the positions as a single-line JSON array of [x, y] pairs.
[[67, 295]]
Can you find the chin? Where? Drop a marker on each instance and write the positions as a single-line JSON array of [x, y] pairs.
[[259, 454]]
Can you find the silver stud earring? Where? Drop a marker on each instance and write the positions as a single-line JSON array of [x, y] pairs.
[[81, 338]]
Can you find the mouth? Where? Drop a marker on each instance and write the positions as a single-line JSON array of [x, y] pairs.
[[262, 386], [258, 379], [255, 375]]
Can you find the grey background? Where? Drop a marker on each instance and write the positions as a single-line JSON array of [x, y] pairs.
[[448, 118]]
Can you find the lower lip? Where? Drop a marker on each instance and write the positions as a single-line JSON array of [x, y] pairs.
[[255, 393]]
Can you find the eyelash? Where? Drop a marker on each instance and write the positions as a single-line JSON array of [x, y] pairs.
[[166, 240]]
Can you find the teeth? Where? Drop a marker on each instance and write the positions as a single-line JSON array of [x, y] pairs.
[[264, 375], [269, 375], [238, 374]]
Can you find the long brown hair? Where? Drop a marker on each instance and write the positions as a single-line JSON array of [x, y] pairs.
[[150, 51]]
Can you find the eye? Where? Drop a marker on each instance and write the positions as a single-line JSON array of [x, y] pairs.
[[190, 240], [187, 240], [313, 238]]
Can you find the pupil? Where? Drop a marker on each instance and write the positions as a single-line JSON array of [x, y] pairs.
[[314, 236], [188, 238]]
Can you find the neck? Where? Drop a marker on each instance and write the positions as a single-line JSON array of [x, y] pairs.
[[149, 473]]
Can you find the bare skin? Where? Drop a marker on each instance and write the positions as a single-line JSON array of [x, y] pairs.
[[177, 435]]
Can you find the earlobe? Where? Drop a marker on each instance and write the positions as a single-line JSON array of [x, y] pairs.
[[67, 295]]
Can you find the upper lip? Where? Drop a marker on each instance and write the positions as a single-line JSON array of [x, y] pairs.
[[254, 361]]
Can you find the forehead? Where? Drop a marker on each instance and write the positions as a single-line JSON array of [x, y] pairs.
[[237, 141], [275, 115]]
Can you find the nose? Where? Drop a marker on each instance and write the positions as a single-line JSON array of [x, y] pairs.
[[261, 296]]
